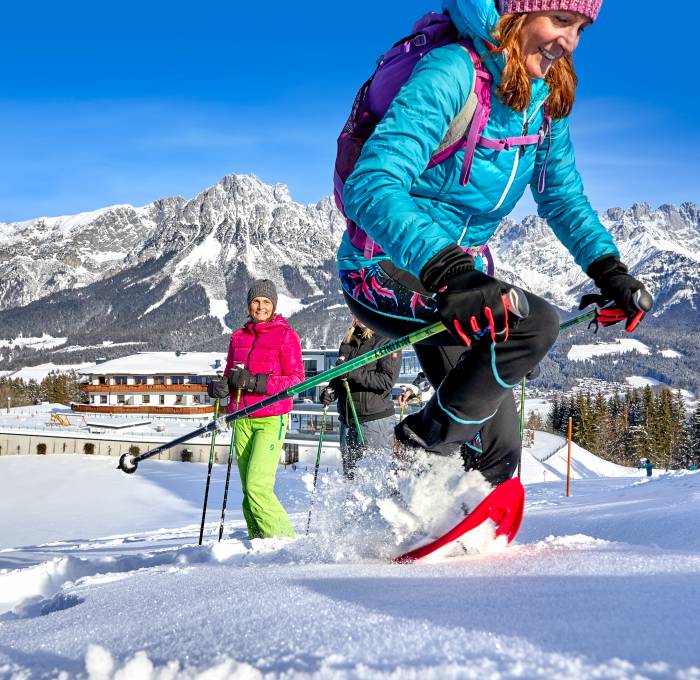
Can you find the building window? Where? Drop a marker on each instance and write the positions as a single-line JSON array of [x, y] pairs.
[[159, 380], [310, 367], [120, 380], [179, 399], [178, 380], [146, 398], [196, 399], [161, 399], [121, 399], [103, 399], [289, 454], [140, 380], [409, 362]]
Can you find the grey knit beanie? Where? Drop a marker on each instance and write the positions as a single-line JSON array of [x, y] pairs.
[[263, 288]]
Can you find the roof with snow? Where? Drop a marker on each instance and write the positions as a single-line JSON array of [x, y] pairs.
[[152, 363]]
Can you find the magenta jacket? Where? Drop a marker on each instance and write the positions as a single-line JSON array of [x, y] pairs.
[[270, 347]]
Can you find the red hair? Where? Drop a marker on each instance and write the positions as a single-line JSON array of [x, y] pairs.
[[515, 89]]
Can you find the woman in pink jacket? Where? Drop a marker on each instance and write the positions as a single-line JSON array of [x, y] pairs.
[[264, 357]]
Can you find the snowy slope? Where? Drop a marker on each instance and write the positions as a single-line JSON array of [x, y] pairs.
[[547, 461], [602, 584]]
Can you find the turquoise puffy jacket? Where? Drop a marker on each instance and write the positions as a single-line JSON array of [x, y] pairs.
[[412, 212]]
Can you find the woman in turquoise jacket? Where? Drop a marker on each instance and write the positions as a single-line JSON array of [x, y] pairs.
[[427, 227]]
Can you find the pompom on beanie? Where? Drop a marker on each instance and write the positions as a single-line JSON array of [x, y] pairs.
[[589, 8]]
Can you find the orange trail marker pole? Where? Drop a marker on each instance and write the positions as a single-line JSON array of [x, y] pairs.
[[568, 461]]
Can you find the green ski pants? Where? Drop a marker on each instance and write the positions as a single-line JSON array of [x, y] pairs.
[[258, 445]]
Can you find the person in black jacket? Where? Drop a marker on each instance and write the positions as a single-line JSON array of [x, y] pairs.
[[370, 387]]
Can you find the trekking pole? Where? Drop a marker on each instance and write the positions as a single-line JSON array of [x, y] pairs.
[[356, 420], [211, 462], [522, 423], [231, 450], [318, 463], [129, 463]]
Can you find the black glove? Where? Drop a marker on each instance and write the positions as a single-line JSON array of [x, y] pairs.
[[260, 384], [622, 298], [240, 378], [470, 302], [218, 388], [328, 395], [534, 373]]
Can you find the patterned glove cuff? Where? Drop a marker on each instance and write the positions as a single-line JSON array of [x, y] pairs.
[[447, 264]]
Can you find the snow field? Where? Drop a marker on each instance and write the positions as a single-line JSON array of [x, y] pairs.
[[598, 585], [620, 346]]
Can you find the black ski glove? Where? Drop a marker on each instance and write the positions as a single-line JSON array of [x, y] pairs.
[[470, 302], [622, 298], [218, 388], [328, 395], [534, 373], [240, 378], [259, 384]]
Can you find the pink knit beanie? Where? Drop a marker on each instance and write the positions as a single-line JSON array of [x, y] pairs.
[[588, 8]]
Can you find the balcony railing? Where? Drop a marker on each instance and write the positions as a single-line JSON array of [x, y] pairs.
[[145, 408], [144, 388]]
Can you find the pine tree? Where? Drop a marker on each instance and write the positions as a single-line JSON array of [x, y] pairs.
[[694, 437], [680, 432], [553, 416], [663, 428], [583, 424], [600, 426]]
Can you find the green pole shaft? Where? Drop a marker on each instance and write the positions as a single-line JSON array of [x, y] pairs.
[[128, 463], [356, 420], [231, 451], [318, 463], [211, 462], [522, 423]]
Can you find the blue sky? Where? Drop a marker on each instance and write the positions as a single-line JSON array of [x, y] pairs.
[[127, 102]]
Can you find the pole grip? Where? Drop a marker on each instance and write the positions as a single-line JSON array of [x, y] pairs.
[[643, 300]]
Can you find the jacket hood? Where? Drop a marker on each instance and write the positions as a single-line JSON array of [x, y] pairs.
[[477, 19], [473, 18]]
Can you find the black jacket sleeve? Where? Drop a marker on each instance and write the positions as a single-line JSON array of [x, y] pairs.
[[379, 376]]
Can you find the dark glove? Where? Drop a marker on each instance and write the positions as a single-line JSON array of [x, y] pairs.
[[240, 378], [328, 396], [622, 298], [259, 384], [534, 373], [218, 388], [470, 302]]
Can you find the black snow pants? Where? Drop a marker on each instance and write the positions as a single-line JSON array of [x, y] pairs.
[[473, 408]]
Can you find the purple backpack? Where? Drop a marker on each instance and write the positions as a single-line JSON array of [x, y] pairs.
[[372, 102]]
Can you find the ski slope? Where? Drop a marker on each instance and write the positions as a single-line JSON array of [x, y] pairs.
[[101, 577]]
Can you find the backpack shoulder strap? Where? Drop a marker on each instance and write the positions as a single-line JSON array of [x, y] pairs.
[[457, 131]]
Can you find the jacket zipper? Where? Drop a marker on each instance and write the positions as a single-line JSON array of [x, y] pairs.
[[513, 172], [250, 351], [516, 161]]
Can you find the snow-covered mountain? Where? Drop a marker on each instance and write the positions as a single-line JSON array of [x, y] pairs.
[[661, 247], [238, 221], [166, 273]]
